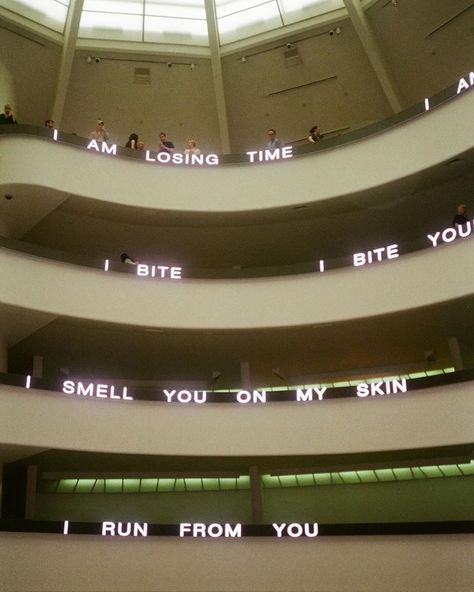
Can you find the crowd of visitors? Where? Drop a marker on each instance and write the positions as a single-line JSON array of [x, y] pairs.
[[100, 134]]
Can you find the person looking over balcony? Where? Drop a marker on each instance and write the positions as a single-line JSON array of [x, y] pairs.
[[273, 141], [124, 258], [49, 123], [7, 118], [315, 134], [132, 142], [165, 145], [460, 217], [99, 134], [192, 148]]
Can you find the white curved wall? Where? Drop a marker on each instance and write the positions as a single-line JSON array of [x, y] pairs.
[[405, 283], [419, 144], [53, 563], [439, 416]]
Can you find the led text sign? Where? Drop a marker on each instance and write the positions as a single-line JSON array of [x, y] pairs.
[[359, 259], [199, 530], [85, 389], [192, 159]]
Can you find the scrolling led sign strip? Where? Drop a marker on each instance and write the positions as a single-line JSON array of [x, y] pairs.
[[370, 389], [215, 530], [360, 259], [184, 396], [87, 389]]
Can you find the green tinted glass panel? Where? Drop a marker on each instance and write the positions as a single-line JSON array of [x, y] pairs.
[[131, 485], [211, 484], [367, 476], [288, 480], [402, 474], [305, 480], [193, 484], [67, 486], [227, 483], [113, 486], [450, 470], [385, 475], [322, 478], [349, 477], [243, 482], [166, 484], [467, 469], [432, 471], [180, 485], [270, 481], [99, 486], [148, 485], [85, 485]]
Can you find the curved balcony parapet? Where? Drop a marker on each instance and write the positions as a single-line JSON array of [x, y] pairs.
[[388, 152], [437, 416], [391, 286]]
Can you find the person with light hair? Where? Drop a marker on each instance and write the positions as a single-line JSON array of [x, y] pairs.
[[7, 118], [99, 134], [192, 147]]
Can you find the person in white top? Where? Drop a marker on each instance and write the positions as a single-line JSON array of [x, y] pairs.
[[100, 134], [192, 148]]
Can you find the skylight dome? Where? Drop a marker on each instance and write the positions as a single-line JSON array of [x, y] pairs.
[[239, 19], [172, 22], [49, 13]]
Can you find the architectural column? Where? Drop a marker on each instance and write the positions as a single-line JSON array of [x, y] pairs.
[[30, 498], [3, 354], [245, 381], [256, 495], [37, 370], [371, 47], [216, 65], [455, 352], [69, 48]]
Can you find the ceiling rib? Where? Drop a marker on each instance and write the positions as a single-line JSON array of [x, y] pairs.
[[371, 47]]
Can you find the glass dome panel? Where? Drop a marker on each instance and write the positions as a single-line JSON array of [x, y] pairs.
[[120, 27], [49, 13], [294, 11], [250, 21], [185, 9]]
